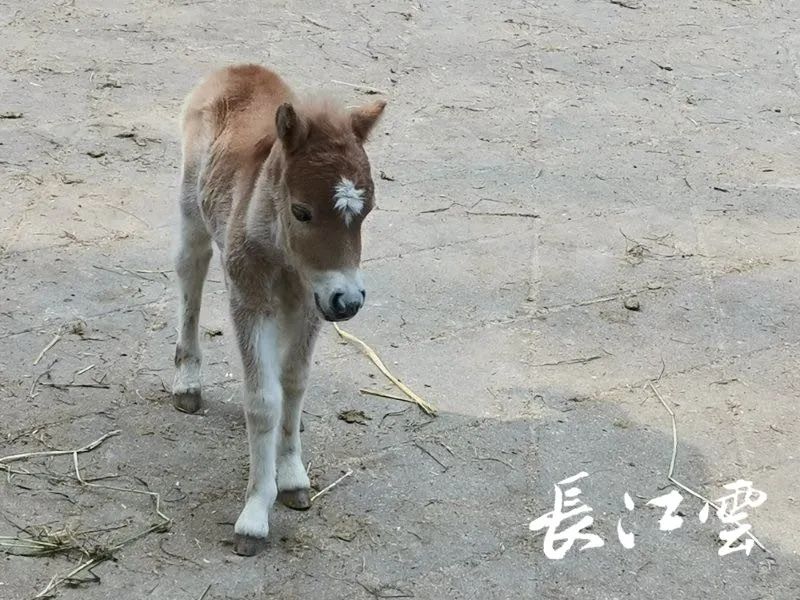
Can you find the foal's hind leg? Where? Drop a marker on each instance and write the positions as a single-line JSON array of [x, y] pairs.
[[194, 254], [293, 483]]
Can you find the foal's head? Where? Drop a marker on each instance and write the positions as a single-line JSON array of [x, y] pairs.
[[326, 191]]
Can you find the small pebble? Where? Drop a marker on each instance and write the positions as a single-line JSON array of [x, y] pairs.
[[632, 303]]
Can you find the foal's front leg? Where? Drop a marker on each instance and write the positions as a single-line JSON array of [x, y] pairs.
[[258, 343], [300, 331]]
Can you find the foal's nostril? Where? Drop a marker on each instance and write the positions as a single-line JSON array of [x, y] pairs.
[[352, 308], [363, 296], [336, 302]]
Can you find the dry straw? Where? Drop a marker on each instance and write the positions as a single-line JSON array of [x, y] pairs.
[[373, 356], [64, 541], [674, 457]]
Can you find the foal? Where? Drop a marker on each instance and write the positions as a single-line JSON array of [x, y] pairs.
[[282, 189]]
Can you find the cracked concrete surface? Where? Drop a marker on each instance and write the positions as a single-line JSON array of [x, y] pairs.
[[657, 147]]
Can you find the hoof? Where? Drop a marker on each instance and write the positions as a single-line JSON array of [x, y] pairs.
[[188, 402], [248, 545], [295, 499]]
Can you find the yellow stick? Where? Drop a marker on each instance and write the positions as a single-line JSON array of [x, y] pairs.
[[424, 405], [385, 395]]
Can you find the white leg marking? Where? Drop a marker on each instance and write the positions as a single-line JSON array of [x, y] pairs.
[[262, 400], [300, 333], [291, 472]]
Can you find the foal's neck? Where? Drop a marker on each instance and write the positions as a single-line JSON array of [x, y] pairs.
[[264, 224]]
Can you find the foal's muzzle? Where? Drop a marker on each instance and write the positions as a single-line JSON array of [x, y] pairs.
[[342, 304], [339, 294]]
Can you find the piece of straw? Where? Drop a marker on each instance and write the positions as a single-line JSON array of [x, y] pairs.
[[87, 448], [381, 394], [674, 457], [423, 404], [52, 343], [154, 495], [56, 581], [328, 488]]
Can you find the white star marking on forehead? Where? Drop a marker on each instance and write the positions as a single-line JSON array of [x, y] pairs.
[[348, 200]]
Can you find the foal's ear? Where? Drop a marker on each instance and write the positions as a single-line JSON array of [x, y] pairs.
[[363, 118], [292, 128]]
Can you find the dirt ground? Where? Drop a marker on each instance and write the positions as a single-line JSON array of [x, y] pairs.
[[540, 163]]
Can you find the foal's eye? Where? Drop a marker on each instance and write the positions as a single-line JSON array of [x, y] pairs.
[[301, 213]]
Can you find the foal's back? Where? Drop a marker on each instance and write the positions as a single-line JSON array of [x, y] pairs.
[[228, 126], [235, 107]]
